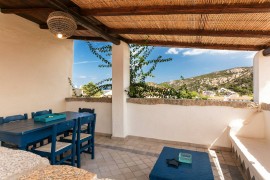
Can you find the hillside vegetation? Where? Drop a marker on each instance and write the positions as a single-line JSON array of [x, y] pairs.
[[239, 80]]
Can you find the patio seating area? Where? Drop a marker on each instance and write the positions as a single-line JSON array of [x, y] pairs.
[[134, 158], [128, 135]]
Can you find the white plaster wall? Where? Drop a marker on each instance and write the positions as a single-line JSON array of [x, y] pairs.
[[102, 110], [267, 124], [261, 77], [120, 82], [34, 67], [205, 125]]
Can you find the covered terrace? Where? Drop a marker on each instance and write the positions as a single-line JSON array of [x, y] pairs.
[[35, 66]]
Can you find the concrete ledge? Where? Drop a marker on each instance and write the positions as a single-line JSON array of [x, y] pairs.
[[187, 102], [103, 134], [89, 99], [265, 107], [168, 142]]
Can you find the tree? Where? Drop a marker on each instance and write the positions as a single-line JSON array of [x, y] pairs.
[[140, 66], [91, 90]]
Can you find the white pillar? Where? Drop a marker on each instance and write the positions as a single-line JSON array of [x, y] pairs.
[[120, 82], [261, 78]]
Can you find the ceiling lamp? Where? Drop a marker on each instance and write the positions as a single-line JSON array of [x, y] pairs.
[[61, 24]]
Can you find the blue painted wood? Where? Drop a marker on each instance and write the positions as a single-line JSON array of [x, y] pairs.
[[1, 120], [39, 113], [199, 169], [9, 119], [15, 118], [55, 130], [26, 132], [86, 110], [87, 144]]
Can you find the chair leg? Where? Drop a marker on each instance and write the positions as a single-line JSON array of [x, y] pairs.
[[78, 159], [93, 152], [53, 159], [89, 149], [73, 157], [93, 149], [78, 154]]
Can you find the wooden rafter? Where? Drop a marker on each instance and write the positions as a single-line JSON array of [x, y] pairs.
[[25, 10], [183, 32], [45, 26], [198, 45], [88, 23], [88, 38], [180, 9], [193, 32], [266, 51]]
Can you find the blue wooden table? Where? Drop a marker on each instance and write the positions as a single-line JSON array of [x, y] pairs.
[[25, 132], [199, 169]]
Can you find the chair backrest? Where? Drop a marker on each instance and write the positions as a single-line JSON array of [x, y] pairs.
[[1, 120], [15, 118], [86, 110], [63, 127], [39, 113], [91, 124]]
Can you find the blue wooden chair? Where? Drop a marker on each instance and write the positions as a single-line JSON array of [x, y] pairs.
[[85, 142], [9, 119], [1, 120], [15, 118], [39, 113], [64, 150], [82, 110]]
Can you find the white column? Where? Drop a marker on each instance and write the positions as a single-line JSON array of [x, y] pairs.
[[120, 82], [261, 78]]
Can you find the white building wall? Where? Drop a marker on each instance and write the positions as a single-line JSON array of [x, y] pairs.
[[34, 67], [261, 77], [267, 124], [206, 125]]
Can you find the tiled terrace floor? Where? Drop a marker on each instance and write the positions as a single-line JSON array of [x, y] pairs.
[[134, 158]]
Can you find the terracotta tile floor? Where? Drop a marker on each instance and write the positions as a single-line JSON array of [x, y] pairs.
[[134, 158]]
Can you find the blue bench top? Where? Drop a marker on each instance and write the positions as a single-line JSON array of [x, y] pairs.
[[199, 169]]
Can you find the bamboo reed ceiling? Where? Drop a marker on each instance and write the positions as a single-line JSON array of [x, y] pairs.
[[91, 4], [216, 24]]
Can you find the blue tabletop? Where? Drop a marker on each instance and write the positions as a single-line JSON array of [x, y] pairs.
[[199, 169], [28, 126]]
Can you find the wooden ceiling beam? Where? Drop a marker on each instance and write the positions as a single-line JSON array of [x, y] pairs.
[[179, 9], [88, 23], [193, 32], [197, 45], [266, 52], [45, 26], [25, 10], [88, 38]]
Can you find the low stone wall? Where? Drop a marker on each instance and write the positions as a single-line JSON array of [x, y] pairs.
[[187, 102], [89, 99], [181, 102]]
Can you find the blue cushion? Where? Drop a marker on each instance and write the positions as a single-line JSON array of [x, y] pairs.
[[39, 113], [199, 169]]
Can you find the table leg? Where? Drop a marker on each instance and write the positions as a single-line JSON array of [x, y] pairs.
[[22, 147]]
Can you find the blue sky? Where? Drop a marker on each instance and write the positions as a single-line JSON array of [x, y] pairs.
[[186, 62]]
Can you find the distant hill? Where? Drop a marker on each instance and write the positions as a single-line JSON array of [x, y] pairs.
[[239, 80]]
